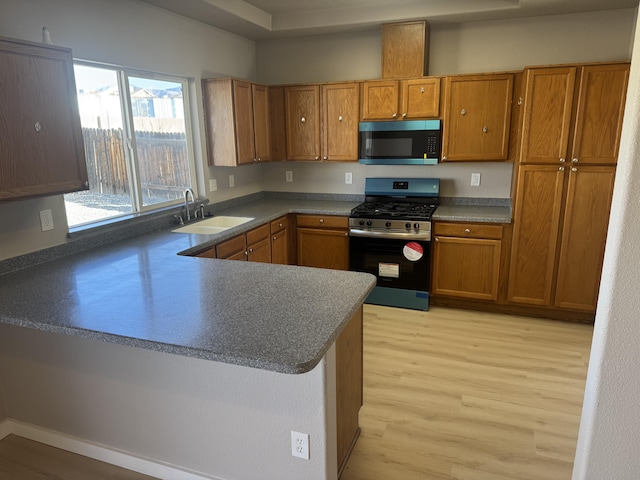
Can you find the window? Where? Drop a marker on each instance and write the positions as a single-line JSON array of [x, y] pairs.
[[137, 143]]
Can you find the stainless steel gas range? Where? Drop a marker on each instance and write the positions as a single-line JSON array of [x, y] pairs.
[[390, 237]]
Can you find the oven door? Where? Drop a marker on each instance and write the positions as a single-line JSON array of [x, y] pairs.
[[396, 263]]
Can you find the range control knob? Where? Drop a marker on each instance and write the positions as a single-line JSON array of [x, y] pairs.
[[416, 226], [407, 225], [361, 222], [368, 223], [388, 224]]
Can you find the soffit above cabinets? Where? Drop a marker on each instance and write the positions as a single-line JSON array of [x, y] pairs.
[[264, 19]]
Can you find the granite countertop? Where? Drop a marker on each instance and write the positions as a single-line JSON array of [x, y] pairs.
[[140, 292], [473, 213]]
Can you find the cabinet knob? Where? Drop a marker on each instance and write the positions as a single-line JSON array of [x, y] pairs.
[[37, 126], [246, 254], [421, 89], [274, 238], [280, 225], [322, 220], [317, 158], [574, 169], [561, 169], [562, 160], [303, 120], [255, 159], [463, 112], [404, 115], [574, 160], [251, 250], [444, 157], [340, 118], [325, 158], [395, 115], [437, 239], [485, 129], [466, 230]]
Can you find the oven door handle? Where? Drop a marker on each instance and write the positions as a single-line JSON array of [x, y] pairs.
[[354, 232]]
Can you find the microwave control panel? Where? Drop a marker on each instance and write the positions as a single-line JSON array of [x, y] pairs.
[[433, 145]]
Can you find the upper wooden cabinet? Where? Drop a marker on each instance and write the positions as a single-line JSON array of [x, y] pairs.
[[573, 114], [340, 115], [236, 121], [302, 112], [401, 99], [405, 49], [41, 146], [477, 117], [322, 121]]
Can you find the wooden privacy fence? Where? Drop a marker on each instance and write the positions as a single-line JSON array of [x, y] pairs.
[[162, 162]]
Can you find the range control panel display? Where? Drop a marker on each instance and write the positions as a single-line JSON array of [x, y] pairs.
[[401, 185]]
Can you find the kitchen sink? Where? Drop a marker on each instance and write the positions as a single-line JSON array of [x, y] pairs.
[[213, 225]]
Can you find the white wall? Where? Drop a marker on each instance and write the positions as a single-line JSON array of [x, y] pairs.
[[212, 418], [132, 34], [462, 48], [610, 426]]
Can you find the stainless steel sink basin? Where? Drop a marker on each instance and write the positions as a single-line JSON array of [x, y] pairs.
[[213, 225]]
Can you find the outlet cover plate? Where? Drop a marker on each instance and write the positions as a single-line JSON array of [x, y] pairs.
[[300, 445]]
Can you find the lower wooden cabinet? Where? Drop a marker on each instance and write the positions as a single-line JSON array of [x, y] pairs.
[[466, 260], [254, 246], [323, 241], [349, 351], [280, 244]]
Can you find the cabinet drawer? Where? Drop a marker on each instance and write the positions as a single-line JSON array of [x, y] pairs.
[[469, 230], [279, 224], [230, 247], [322, 221], [257, 234]]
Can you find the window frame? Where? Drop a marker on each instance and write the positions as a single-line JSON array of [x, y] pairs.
[[130, 148]]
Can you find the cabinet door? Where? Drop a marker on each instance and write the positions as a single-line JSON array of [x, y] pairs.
[[280, 247], [340, 106], [535, 233], [547, 114], [245, 134], [260, 251], [477, 117], [598, 124], [466, 267], [261, 122], [584, 233], [302, 106], [277, 124], [323, 248], [421, 98], [41, 146], [232, 249], [380, 100]]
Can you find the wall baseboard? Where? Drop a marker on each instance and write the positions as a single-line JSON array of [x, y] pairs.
[[99, 452]]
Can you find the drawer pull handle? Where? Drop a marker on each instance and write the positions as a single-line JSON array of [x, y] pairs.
[[322, 220], [466, 230]]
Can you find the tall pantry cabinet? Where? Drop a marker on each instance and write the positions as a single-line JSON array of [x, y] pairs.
[[572, 119]]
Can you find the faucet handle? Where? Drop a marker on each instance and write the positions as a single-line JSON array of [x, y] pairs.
[[179, 219]]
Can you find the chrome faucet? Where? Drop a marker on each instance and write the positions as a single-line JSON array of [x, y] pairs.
[[188, 192]]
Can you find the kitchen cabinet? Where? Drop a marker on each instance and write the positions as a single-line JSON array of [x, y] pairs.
[[562, 206], [401, 99], [41, 146], [280, 243], [302, 111], [322, 121], [349, 379], [254, 246], [405, 49], [466, 260], [277, 121], [340, 117], [477, 117], [236, 122], [323, 241]]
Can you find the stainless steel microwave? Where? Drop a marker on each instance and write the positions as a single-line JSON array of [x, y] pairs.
[[406, 142]]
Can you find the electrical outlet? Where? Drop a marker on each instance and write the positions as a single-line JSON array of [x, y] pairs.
[[475, 179], [232, 181], [348, 178], [46, 220], [300, 445], [213, 185], [288, 175]]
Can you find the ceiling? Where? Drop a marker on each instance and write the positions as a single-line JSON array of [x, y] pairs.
[[263, 19]]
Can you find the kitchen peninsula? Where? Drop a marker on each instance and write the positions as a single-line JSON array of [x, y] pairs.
[[183, 364]]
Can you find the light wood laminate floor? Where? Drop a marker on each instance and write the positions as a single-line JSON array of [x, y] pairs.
[[462, 395]]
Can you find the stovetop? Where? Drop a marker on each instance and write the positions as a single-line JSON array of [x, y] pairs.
[[391, 209]]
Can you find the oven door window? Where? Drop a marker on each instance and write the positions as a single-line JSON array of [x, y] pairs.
[[396, 263]]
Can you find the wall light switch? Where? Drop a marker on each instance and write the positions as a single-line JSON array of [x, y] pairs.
[[288, 176], [348, 178], [232, 181], [475, 179], [213, 185]]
